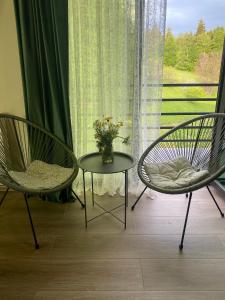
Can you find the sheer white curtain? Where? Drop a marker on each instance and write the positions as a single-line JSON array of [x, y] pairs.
[[115, 55], [148, 76]]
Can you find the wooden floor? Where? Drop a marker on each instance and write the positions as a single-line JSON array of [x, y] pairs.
[[107, 262]]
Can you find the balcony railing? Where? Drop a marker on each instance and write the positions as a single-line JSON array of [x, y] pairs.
[[187, 113]]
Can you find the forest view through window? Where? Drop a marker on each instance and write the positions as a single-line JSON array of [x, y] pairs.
[[195, 32]]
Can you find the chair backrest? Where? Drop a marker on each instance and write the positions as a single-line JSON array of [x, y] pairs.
[[22, 141], [201, 140]]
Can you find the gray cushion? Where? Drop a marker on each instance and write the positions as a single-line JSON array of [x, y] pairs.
[[40, 175], [177, 173]]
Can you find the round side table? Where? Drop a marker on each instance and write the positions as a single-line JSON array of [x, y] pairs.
[[92, 163]]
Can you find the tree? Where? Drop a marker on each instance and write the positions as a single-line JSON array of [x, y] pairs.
[[217, 36], [200, 27], [203, 44], [170, 50], [186, 53], [208, 65], [199, 52]]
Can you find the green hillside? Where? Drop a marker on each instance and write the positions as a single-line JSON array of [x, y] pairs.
[[172, 75]]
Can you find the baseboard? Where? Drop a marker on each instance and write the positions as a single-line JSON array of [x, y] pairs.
[[219, 185]]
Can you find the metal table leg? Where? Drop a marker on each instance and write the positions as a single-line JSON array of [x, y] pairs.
[[126, 199], [85, 204], [92, 189]]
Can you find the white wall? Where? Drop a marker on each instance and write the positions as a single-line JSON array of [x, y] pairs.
[[11, 93]]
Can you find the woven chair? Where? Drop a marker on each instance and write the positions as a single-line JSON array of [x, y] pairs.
[[185, 159], [33, 161]]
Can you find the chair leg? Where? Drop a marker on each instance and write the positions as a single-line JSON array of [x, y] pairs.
[[222, 214], [3, 197], [133, 206], [76, 196], [185, 222], [31, 223]]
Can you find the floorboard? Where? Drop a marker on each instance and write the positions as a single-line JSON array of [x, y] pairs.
[[105, 261]]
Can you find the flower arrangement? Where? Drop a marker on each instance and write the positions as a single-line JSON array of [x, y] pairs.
[[105, 132]]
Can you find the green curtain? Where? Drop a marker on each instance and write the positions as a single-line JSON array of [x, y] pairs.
[[42, 28]]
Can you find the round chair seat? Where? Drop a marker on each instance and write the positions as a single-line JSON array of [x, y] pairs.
[[41, 176]]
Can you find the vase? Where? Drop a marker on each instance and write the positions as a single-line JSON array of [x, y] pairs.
[[107, 154]]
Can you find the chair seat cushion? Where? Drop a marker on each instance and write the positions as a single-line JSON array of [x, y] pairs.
[[41, 175], [177, 173]]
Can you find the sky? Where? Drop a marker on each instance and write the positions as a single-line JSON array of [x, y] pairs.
[[183, 15]]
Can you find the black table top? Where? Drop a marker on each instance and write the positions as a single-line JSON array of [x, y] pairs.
[[92, 162]]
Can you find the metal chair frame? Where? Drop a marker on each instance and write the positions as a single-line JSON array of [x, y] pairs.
[[205, 137], [23, 134]]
